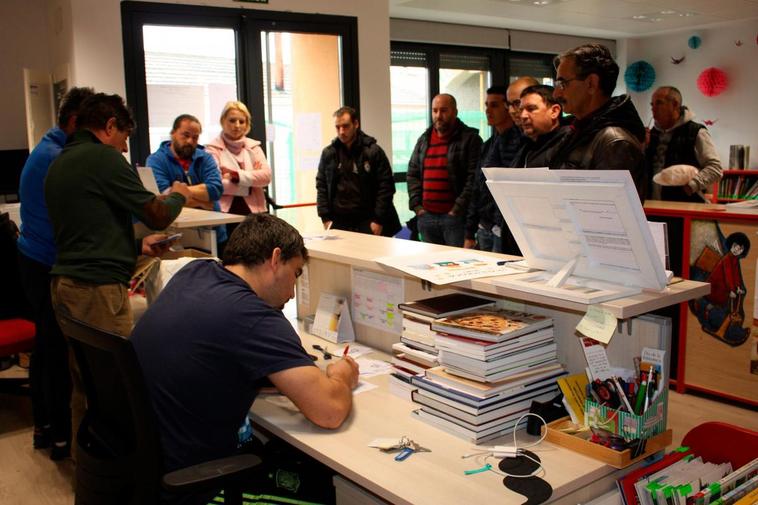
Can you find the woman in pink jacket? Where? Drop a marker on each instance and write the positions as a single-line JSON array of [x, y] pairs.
[[244, 168]]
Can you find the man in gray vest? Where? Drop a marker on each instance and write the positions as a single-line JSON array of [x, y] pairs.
[[678, 140]]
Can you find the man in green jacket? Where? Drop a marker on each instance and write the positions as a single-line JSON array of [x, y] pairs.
[[92, 193]]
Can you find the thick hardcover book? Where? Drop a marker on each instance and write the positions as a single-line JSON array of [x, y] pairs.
[[483, 417], [483, 390], [547, 388], [482, 349], [500, 362], [504, 373], [492, 325], [465, 433], [446, 305]]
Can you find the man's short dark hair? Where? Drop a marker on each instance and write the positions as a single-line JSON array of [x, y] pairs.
[[543, 90], [593, 59], [183, 117], [347, 110], [70, 104], [498, 89], [254, 240], [99, 108]]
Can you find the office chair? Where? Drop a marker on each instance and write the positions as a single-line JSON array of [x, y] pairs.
[[118, 450]]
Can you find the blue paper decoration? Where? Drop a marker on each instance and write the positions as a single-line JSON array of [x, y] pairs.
[[694, 42], [639, 76]]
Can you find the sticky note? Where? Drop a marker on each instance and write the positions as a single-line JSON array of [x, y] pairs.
[[598, 324]]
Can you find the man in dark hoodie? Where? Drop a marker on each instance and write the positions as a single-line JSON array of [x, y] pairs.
[[608, 133], [441, 174], [354, 182]]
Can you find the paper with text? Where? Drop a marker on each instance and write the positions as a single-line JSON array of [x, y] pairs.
[[598, 324], [375, 300]]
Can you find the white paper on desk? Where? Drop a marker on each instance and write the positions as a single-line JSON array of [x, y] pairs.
[[363, 386], [375, 300], [332, 321], [450, 266], [597, 359], [598, 324], [373, 367], [355, 352]]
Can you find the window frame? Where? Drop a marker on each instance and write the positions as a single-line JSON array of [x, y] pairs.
[[248, 25]]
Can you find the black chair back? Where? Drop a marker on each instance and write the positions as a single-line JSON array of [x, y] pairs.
[[119, 457]]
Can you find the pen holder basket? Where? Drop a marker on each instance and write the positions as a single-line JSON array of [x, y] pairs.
[[626, 425]]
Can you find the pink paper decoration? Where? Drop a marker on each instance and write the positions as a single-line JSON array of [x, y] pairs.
[[712, 81]]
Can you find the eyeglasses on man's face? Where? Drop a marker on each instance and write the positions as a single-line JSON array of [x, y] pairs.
[[561, 83]]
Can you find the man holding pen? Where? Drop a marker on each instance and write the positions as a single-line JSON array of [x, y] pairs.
[[223, 336]]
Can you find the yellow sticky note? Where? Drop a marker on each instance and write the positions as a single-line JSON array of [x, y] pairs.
[[598, 324]]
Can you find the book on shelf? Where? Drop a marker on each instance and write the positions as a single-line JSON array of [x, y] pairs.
[[499, 362], [503, 373], [485, 390], [416, 343], [464, 433], [417, 355], [479, 418], [400, 387], [483, 349], [546, 388], [445, 305], [494, 325], [401, 361], [479, 401]]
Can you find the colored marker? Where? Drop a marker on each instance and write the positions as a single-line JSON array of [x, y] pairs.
[[347, 349]]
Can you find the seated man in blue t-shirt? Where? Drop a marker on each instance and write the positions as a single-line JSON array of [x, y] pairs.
[[216, 333], [183, 159]]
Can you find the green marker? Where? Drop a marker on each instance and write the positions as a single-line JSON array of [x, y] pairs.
[[641, 394]]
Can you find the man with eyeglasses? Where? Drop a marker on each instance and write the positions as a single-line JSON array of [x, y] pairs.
[[608, 133], [677, 139]]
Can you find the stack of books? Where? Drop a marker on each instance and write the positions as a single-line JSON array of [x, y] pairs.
[[494, 363], [416, 352]]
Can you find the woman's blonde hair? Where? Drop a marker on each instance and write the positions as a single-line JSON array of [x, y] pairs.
[[235, 105]]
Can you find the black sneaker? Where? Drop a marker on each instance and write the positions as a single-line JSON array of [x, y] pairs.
[[60, 452]]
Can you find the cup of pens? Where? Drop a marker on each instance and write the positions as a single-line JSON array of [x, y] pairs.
[[633, 412]]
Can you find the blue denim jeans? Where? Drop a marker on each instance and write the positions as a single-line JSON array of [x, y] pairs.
[[441, 229], [488, 241]]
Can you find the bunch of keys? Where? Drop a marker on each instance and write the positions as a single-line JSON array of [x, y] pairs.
[[405, 445]]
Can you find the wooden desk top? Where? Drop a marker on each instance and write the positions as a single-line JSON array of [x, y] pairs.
[[360, 250], [433, 478], [699, 210], [193, 218]]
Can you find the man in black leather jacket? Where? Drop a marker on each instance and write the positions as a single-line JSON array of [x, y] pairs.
[[354, 182], [608, 133]]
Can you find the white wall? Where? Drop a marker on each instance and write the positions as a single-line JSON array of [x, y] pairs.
[[25, 44], [737, 108], [86, 35]]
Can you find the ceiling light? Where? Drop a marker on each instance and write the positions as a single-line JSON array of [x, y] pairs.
[[668, 12], [639, 16], [655, 20]]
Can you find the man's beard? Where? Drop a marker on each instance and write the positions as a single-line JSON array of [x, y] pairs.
[[184, 152]]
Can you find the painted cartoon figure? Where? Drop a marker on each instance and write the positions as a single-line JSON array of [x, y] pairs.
[[721, 313]]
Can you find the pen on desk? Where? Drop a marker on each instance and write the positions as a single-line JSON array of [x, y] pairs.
[[347, 349], [505, 262]]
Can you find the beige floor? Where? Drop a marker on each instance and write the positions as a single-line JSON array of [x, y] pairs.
[[27, 473]]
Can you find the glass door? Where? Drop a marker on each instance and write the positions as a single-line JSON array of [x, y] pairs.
[[302, 87], [188, 70]]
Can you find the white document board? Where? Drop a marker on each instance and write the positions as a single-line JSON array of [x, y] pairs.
[[587, 223]]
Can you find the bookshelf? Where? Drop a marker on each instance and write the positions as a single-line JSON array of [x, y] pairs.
[[735, 186]]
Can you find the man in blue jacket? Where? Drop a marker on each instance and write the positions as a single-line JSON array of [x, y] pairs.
[[49, 373], [183, 159]]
